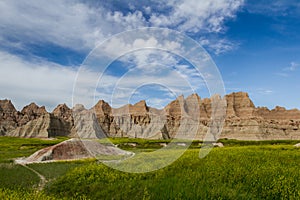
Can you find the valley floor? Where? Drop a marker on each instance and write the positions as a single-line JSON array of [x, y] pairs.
[[240, 170]]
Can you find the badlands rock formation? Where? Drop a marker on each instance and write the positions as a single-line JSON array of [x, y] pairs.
[[250, 123], [74, 149], [85, 123], [8, 117], [34, 121], [181, 118]]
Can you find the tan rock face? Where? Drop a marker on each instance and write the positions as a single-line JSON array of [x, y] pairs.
[[63, 121], [245, 122], [74, 149], [33, 109], [8, 116], [30, 112], [174, 112], [138, 121], [34, 128], [47, 125], [64, 112], [102, 108], [180, 118], [35, 121], [139, 108], [7, 108], [86, 124], [103, 112], [278, 113], [239, 105]]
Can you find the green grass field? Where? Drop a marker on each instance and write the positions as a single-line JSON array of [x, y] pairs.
[[240, 170], [11, 148]]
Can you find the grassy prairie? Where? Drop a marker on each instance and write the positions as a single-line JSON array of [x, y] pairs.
[[17, 177], [56, 169], [248, 172], [12, 176], [11, 147], [240, 170]]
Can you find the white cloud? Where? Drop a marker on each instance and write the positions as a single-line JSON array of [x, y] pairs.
[[275, 7], [79, 26], [76, 25], [195, 15], [124, 44], [41, 82], [127, 85], [265, 91], [152, 60], [293, 66], [147, 10], [66, 23], [218, 46], [131, 20], [48, 84], [287, 71]]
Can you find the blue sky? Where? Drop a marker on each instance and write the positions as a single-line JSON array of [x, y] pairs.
[[255, 45]]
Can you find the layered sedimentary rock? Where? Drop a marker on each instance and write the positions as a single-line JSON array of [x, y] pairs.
[[8, 116], [246, 122], [11, 120], [64, 112], [64, 115], [45, 126], [239, 105], [35, 121], [233, 116], [105, 119], [85, 123], [74, 149], [138, 121], [30, 112]]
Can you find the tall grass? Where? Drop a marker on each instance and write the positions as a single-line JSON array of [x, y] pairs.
[[226, 173], [21, 194], [11, 147], [16, 176], [241, 170], [57, 169]]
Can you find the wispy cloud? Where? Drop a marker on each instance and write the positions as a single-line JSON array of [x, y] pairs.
[[264, 91], [219, 46], [49, 84], [42, 82], [70, 24], [293, 66], [195, 16], [287, 71], [79, 26], [274, 7]]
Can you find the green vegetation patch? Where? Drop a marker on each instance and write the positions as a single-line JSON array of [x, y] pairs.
[[56, 169], [240, 170], [21, 194], [249, 172], [233, 142], [16, 176], [12, 147]]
